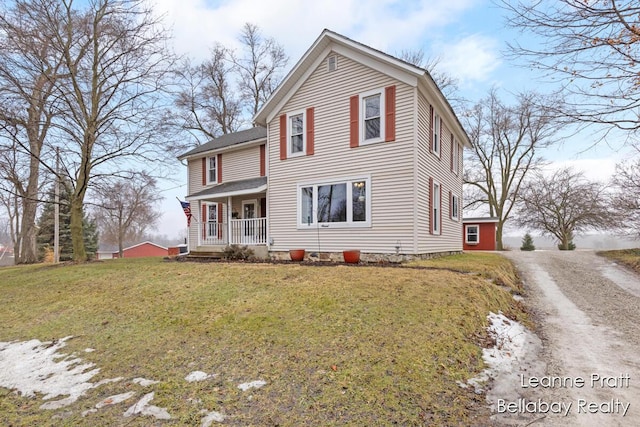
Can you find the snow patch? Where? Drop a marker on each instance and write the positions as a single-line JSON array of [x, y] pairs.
[[113, 400], [197, 376], [252, 384], [33, 366], [211, 417], [144, 382], [515, 346], [143, 408]]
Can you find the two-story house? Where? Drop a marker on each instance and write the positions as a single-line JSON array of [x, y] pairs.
[[355, 149]]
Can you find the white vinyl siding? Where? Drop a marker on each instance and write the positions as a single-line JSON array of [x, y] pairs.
[[450, 238], [241, 164], [389, 165]]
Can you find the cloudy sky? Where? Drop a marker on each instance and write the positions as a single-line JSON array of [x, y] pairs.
[[468, 36]]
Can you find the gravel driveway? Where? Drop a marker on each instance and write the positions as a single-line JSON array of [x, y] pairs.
[[588, 312]]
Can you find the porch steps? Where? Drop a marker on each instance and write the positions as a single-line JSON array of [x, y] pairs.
[[209, 252]]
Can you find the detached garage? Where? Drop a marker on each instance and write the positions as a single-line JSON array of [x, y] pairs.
[[144, 249], [479, 234]]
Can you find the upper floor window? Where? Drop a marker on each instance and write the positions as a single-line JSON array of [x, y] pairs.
[[455, 156], [296, 136], [437, 136], [371, 120], [212, 170]]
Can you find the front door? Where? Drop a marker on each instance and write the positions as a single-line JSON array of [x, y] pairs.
[[249, 212]]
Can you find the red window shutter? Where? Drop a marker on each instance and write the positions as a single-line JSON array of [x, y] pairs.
[[452, 142], [431, 128], [354, 117], [221, 220], [310, 131], [283, 137], [263, 162], [430, 205], [390, 113], [440, 208], [219, 167], [203, 221], [204, 171]]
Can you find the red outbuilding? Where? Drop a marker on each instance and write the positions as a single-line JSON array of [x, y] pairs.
[[479, 234], [144, 249]]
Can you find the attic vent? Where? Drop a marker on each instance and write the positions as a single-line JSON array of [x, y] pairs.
[[332, 63]]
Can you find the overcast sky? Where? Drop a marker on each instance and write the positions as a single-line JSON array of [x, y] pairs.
[[468, 36]]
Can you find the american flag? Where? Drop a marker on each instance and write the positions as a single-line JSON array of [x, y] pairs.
[[186, 207]]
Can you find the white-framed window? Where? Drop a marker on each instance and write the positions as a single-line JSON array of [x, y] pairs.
[[455, 203], [437, 134], [332, 63], [212, 170], [436, 199], [296, 135], [211, 220], [472, 234], [455, 154], [335, 203], [372, 116]]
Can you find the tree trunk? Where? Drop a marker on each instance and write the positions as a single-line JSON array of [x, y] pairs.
[[564, 242], [28, 250], [77, 230], [499, 245]]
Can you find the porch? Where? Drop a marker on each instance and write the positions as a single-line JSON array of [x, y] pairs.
[[249, 231]]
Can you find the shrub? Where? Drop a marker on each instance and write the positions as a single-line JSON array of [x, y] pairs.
[[237, 252], [571, 247], [527, 243]]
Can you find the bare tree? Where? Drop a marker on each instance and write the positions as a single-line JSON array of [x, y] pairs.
[[592, 46], [626, 198], [221, 94], [208, 102], [446, 82], [260, 66], [29, 68], [126, 210], [564, 204], [506, 142], [112, 104]]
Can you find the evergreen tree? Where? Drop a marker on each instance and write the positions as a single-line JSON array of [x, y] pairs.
[[46, 224], [527, 243]]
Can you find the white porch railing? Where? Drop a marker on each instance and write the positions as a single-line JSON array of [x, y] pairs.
[[243, 232]]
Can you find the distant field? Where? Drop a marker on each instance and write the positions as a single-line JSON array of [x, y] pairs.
[[628, 257], [335, 345]]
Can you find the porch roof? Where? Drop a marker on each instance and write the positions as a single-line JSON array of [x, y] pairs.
[[232, 188]]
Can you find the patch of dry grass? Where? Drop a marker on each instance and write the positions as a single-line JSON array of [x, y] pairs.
[[336, 345], [491, 266], [628, 257]]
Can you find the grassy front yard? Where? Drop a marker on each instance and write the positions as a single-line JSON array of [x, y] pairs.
[[336, 345]]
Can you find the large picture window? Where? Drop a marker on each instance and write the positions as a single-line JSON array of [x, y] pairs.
[[343, 202]]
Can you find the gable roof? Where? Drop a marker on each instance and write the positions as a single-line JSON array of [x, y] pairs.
[[331, 41], [227, 140]]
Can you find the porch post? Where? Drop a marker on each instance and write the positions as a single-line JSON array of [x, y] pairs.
[[229, 220]]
